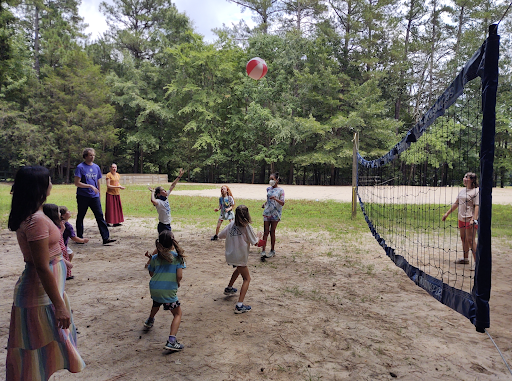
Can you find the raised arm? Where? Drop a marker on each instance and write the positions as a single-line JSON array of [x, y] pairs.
[[176, 180], [153, 199]]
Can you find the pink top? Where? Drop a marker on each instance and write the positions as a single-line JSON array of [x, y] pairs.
[[37, 227]]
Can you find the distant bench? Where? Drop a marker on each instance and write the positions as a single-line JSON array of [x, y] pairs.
[[139, 178]]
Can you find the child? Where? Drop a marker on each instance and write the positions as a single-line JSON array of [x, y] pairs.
[[239, 236], [226, 204], [272, 213], [52, 211], [69, 232], [160, 201], [166, 269]]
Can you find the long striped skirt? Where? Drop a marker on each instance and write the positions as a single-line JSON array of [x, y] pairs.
[[113, 209], [37, 348]]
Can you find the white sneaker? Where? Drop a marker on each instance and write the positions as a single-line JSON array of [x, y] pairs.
[[271, 254], [263, 254]]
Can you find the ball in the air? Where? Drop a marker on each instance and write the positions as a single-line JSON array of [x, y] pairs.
[[256, 68]]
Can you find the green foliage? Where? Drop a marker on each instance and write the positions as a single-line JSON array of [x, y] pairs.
[[153, 96]]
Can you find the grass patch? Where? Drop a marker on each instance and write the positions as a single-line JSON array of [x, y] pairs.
[[332, 217]]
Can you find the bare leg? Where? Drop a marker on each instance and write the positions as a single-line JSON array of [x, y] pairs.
[[153, 312], [218, 227], [233, 277], [176, 320], [465, 245], [266, 226], [471, 237], [244, 271], [273, 226]]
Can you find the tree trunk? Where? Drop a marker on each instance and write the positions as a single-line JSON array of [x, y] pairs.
[[36, 41]]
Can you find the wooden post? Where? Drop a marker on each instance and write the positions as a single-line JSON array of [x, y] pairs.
[[354, 174]]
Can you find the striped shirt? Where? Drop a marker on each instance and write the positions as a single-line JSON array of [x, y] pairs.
[[163, 285]]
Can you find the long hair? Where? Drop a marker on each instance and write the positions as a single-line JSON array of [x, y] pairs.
[[28, 193], [165, 243], [242, 216], [52, 211], [228, 190], [472, 177]]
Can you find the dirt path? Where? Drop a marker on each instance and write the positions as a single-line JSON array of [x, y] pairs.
[[322, 310]]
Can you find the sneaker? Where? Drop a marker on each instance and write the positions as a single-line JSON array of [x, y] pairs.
[[263, 254], [174, 346], [271, 254], [462, 261], [230, 291], [149, 323], [108, 240], [241, 310], [214, 238]]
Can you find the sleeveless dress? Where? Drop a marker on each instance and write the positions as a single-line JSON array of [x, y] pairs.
[[37, 348]]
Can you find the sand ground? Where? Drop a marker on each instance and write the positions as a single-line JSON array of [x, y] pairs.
[[322, 310]]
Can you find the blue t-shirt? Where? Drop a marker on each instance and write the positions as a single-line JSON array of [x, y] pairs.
[[89, 174], [163, 285]]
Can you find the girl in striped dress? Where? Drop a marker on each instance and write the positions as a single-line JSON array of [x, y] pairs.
[[42, 335]]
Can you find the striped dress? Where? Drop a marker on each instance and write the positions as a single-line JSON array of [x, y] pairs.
[[37, 348]]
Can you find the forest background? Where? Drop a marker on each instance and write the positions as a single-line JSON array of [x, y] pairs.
[[151, 95]]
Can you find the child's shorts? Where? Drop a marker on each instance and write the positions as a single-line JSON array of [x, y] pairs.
[[167, 306], [270, 218]]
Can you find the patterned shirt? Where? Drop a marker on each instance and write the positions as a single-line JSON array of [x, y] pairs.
[[274, 209], [163, 285]]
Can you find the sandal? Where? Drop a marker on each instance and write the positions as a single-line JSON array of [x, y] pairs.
[[462, 261]]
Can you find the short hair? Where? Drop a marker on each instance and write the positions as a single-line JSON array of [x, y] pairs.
[[63, 210], [276, 176], [86, 151], [158, 190]]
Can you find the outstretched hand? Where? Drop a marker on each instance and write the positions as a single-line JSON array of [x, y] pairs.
[[146, 254]]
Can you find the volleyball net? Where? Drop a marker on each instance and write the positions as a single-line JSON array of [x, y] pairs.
[[405, 193]]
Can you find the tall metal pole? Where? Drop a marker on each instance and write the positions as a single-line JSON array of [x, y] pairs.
[[354, 173]]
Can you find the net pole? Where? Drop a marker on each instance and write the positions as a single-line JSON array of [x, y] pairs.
[[354, 174], [482, 287]]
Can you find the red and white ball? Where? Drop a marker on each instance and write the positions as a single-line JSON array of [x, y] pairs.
[[256, 68]]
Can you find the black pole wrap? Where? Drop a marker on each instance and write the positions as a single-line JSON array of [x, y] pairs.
[[482, 288]]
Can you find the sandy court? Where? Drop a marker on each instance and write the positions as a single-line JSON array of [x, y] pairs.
[[323, 309], [336, 193]]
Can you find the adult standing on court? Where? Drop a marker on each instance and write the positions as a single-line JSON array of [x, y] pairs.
[[113, 207], [87, 175], [468, 203], [42, 336], [272, 213]]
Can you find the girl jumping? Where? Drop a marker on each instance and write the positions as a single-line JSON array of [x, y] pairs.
[[166, 270], [226, 205]]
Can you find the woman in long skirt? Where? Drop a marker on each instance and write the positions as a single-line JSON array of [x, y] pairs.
[[42, 335], [113, 207]]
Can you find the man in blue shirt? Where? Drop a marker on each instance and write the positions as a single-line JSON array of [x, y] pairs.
[[87, 175]]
